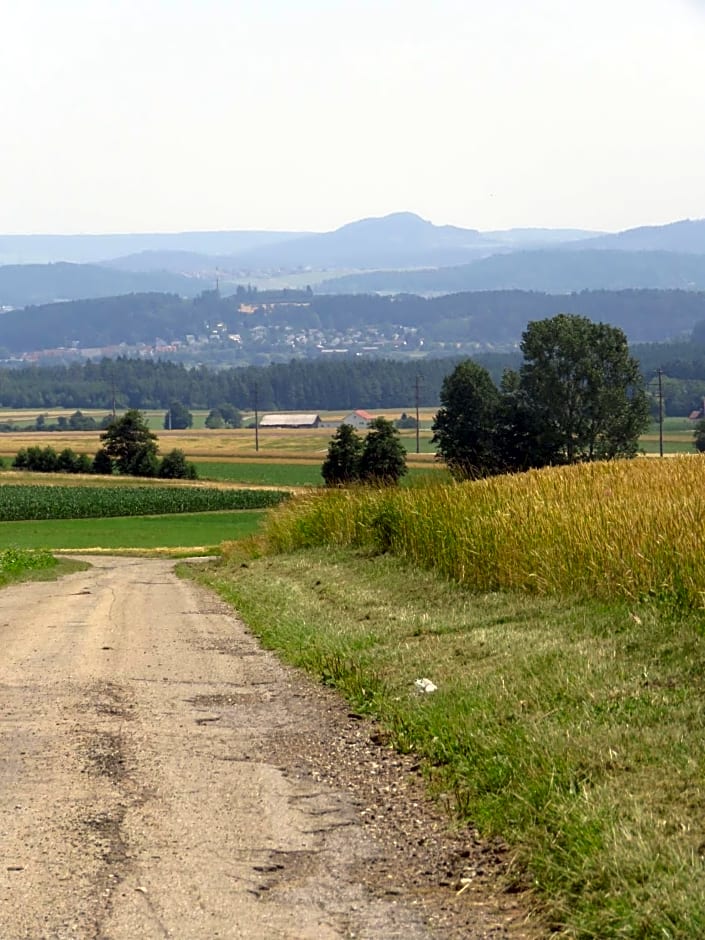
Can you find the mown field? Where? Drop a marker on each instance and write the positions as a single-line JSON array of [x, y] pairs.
[[218, 448], [561, 614]]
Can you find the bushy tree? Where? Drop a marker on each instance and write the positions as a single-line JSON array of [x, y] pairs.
[[464, 429], [584, 390], [144, 463], [130, 445], [231, 415], [214, 420], [174, 466], [102, 463], [383, 460], [178, 417], [342, 463], [405, 422], [80, 422], [67, 461]]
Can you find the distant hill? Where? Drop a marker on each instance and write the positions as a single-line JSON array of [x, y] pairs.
[[176, 262], [84, 249], [24, 284], [686, 237], [401, 239], [398, 239], [555, 271]]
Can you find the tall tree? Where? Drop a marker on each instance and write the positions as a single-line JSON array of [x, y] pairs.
[[383, 460], [342, 463], [464, 427], [130, 445], [585, 393]]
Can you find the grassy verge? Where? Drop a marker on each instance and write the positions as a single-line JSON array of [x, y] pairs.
[[571, 728], [30, 565], [192, 533]]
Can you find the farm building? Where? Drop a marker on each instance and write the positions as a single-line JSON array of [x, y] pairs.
[[290, 421], [358, 419]]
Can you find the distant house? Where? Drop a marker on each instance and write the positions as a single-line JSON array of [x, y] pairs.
[[358, 419], [290, 421], [698, 413]]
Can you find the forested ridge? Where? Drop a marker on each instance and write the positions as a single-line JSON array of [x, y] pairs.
[[484, 317]]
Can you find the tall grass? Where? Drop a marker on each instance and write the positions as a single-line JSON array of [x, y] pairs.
[[622, 529]]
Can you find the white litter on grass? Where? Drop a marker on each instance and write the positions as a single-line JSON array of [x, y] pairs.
[[425, 685]]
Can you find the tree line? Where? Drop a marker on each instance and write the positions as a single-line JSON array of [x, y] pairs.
[[127, 448], [296, 386]]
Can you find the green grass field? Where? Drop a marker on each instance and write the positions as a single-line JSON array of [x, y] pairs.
[[192, 533], [260, 473]]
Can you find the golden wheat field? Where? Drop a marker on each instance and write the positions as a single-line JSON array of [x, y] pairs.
[[622, 529]]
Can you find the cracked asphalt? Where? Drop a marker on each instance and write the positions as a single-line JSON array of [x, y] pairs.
[[163, 776]]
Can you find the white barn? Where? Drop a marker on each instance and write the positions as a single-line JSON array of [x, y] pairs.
[[290, 421]]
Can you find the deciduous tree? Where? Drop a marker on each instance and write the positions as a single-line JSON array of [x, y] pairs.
[[464, 429], [584, 391], [130, 445], [383, 460], [342, 463]]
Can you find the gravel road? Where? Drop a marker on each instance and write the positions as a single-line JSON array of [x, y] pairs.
[[163, 776]]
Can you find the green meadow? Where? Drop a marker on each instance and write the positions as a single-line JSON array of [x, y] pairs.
[[190, 533]]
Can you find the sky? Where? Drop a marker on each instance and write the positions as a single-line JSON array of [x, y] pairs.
[[302, 115]]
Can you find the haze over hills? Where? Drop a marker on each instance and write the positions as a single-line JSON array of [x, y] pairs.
[[401, 239], [686, 236], [87, 249], [559, 270], [400, 252], [24, 284]]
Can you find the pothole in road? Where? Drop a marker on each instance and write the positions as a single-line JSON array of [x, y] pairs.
[[106, 698], [103, 755]]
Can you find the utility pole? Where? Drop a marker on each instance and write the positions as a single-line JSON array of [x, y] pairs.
[[256, 421], [418, 381], [660, 412]]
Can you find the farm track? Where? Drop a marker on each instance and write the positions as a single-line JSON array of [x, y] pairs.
[[162, 776]]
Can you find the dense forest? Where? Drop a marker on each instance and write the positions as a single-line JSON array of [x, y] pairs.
[[300, 385], [296, 386], [485, 319]]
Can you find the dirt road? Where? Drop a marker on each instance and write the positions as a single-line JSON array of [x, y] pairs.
[[162, 776]]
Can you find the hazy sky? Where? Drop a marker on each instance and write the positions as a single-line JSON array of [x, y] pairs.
[[171, 115]]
